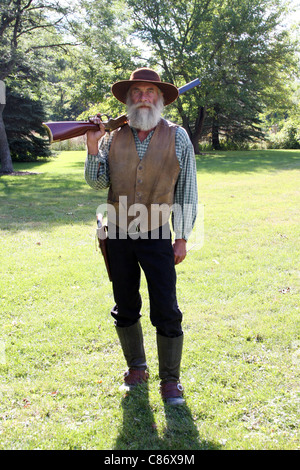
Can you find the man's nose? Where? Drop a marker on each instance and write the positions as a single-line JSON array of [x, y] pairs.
[[144, 96]]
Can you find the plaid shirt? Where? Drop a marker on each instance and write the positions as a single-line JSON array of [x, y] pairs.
[[184, 209]]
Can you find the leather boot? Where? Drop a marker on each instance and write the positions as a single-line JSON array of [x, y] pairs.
[[131, 339], [169, 359]]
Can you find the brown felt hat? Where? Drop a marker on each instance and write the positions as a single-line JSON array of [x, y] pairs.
[[120, 89]]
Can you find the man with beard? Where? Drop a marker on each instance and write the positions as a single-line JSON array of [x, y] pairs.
[[149, 167]]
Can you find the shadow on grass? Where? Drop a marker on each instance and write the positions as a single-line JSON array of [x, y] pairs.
[[45, 200], [248, 161], [139, 431]]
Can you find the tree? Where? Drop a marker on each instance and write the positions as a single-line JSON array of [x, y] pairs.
[[78, 80], [282, 123], [175, 30], [231, 45], [19, 21], [253, 70], [110, 53], [23, 118]]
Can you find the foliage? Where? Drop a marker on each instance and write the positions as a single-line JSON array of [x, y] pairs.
[[232, 47], [23, 118], [79, 78], [282, 122], [288, 137], [105, 55], [25, 29], [21, 21]]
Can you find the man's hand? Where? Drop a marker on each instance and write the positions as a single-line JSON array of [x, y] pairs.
[[93, 137], [179, 247]]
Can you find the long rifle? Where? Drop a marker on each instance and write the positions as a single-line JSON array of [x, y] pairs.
[[64, 130]]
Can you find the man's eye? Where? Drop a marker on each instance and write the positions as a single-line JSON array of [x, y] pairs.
[[137, 92]]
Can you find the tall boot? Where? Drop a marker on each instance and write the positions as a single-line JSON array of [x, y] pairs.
[[131, 339], [169, 359]]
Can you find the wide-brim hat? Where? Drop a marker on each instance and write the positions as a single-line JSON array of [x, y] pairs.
[[120, 89]]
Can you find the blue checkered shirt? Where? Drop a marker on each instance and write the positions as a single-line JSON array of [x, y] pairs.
[[184, 209]]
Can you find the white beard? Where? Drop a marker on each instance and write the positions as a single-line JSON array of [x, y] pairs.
[[144, 119]]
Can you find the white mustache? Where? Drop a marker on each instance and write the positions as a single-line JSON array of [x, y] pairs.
[[142, 105]]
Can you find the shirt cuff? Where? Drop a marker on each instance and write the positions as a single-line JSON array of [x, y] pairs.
[[97, 157], [179, 236]]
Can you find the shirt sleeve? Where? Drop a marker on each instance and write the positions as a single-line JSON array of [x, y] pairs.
[[96, 168], [185, 205]]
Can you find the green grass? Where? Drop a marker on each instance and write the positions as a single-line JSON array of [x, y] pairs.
[[60, 361]]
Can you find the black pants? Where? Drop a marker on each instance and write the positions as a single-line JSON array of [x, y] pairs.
[[156, 258]]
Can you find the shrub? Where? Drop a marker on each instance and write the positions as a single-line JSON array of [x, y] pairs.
[[287, 138]]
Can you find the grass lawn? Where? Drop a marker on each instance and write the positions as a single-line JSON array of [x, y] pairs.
[[60, 361]]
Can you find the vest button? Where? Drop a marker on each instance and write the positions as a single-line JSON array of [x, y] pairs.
[[140, 167]]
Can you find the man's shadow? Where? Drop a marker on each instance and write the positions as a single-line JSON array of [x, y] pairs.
[[139, 432]]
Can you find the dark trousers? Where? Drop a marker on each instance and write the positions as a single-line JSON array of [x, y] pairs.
[[156, 258]]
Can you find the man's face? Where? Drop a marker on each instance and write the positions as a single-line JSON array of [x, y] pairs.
[[144, 105], [144, 93]]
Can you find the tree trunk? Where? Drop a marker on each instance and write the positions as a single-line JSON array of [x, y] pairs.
[[215, 137], [198, 129], [5, 157], [194, 136]]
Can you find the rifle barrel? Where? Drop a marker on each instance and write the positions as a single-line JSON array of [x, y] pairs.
[[188, 86]]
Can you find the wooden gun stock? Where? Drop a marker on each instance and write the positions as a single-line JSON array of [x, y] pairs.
[[64, 130]]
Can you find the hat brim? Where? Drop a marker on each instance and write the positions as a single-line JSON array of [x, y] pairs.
[[120, 90]]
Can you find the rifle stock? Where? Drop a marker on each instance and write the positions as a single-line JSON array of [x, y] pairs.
[[64, 130]]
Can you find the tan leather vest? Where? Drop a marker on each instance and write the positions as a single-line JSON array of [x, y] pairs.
[[142, 191]]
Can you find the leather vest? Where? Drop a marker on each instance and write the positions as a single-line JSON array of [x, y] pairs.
[[142, 191]]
